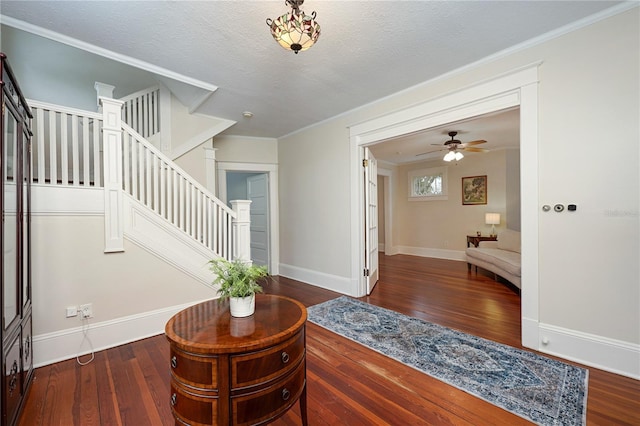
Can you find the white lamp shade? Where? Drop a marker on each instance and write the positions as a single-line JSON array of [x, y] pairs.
[[492, 218]]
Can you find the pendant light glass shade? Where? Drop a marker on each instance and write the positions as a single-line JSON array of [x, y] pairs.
[[295, 30], [453, 155]]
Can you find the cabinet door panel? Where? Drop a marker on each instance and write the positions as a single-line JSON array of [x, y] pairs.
[[26, 223], [9, 223], [12, 385], [27, 352]]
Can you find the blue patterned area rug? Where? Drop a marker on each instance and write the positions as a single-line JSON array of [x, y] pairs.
[[539, 389]]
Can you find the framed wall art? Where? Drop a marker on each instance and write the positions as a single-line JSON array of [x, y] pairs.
[[474, 190]]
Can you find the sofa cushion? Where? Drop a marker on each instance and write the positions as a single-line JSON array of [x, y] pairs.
[[509, 240], [506, 260]]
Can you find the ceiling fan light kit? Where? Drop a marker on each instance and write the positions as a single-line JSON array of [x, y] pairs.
[[453, 155], [454, 146], [295, 30]]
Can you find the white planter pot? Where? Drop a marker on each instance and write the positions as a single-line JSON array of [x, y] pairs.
[[242, 306]]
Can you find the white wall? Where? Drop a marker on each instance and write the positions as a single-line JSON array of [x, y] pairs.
[[314, 204], [589, 109], [445, 224], [133, 293], [194, 163], [69, 267], [246, 149]]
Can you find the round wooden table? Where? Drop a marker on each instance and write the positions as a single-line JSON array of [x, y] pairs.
[[239, 371]]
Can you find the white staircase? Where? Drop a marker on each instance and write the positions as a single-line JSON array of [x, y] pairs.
[[148, 199]]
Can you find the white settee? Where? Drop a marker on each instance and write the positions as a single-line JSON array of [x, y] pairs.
[[501, 257]]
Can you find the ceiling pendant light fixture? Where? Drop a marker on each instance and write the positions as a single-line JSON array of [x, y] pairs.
[[295, 30], [453, 155]]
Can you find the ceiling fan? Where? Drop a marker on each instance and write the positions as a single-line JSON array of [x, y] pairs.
[[454, 146]]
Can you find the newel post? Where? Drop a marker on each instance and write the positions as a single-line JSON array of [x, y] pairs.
[[241, 230], [210, 169], [112, 162]]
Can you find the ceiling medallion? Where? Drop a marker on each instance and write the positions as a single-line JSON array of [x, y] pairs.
[[295, 30]]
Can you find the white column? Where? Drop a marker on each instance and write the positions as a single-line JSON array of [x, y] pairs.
[[210, 169], [165, 119], [103, 90], [242, 230], [112, 145]]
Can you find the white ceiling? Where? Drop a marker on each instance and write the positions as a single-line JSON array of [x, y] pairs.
[[367, 50]]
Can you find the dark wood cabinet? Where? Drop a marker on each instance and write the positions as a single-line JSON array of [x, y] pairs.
[[15, 247], [237, 371]]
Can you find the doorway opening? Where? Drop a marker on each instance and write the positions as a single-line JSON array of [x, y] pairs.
[[515, 89], [255, 188], [258, 183]]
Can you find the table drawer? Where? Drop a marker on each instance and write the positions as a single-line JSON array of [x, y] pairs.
[[193, 409], [199, 371], [269, 364], [269, 403]]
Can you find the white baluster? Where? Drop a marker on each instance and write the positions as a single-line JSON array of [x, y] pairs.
[[85, 151], [53, 165], [156, 186], [147, 173], [64, 149], [39, 144], [97, 169], [75, 164]]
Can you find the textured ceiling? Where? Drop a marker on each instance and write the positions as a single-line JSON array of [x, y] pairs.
[[367, 49]]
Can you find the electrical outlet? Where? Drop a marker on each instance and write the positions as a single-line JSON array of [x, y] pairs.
[[86, 310], [72, 311]]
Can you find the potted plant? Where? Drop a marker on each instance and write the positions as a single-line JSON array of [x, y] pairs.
[[238, 281]]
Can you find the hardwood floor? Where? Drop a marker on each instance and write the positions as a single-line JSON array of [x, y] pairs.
[[347, 383]]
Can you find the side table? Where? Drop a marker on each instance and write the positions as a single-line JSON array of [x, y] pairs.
[[238, 371], [475, 239]]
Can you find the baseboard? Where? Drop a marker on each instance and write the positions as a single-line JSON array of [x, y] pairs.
[[431, 252], [318, 279], [66, 344], [600, 352]]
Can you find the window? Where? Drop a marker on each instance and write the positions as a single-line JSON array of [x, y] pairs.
[[428, 184]]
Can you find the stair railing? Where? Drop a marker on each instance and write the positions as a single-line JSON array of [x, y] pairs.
[[66, 146], [84, 149], [154, 180], [141, 111]]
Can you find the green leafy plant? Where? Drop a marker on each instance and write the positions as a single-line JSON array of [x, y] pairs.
[[236, 278]]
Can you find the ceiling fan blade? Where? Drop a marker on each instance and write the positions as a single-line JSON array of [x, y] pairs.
[[475, 149], [478, 142], [428, 152]]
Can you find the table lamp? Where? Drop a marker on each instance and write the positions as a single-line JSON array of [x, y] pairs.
[[492, 219]]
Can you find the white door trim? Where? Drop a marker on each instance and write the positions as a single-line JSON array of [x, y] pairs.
[[272, 171], [516, 88]]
